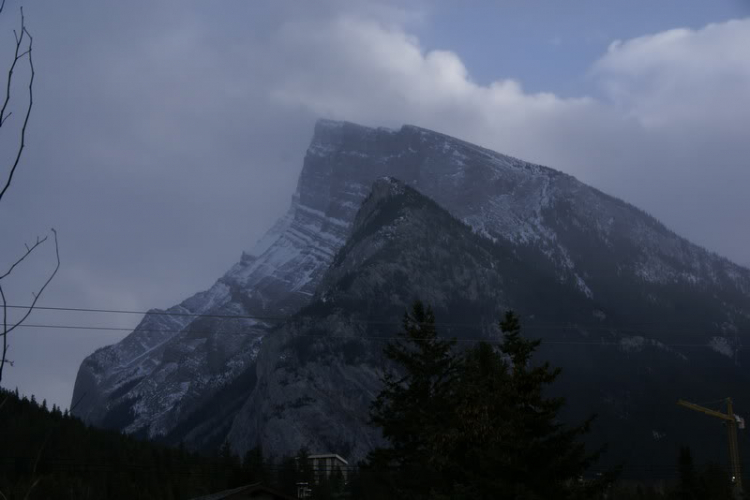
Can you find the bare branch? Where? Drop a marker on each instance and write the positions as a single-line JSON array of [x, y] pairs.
[[41, 290], [6, 328], [16, 57], [4, 333], [19, 55], [2, 6], [10, 75], [21, 259]]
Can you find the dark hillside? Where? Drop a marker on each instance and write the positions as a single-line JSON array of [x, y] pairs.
[[54, 455]]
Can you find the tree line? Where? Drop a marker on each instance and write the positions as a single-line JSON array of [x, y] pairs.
[[472, 423], [477, 424]]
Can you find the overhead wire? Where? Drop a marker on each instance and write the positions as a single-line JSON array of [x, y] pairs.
[[600, 342], [537, 326]]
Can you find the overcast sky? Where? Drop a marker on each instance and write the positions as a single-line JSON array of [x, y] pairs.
[[167, 136]]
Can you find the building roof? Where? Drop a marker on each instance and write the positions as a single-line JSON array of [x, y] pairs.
[[329, 455], [247, 491]]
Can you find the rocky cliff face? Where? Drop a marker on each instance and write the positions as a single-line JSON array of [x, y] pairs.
[[317, 374], [589, 265]]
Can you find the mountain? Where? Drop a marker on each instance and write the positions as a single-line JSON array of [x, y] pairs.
[[317, 374], [632, 311]]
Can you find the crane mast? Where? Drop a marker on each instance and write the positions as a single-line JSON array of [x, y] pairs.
[[731, 421]]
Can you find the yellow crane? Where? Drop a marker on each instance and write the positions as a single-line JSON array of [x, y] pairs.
[[732, 421]]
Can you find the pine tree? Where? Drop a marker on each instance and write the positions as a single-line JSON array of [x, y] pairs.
[[539, 456], [411, 408], [475, 424]]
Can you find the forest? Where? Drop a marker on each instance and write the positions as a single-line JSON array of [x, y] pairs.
[[471, 423]]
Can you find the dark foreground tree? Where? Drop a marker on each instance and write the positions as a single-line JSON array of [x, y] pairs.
[[475, 424], [412, 405], [511, 429]]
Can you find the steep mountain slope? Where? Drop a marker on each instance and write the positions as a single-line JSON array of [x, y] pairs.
[[317, 374], [160, 379]]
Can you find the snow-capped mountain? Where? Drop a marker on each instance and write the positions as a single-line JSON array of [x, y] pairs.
[[316, 375], [596, 260]]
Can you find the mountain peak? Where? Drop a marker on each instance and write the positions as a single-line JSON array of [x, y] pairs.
[[339, 132], [384, 190], [453, 210]]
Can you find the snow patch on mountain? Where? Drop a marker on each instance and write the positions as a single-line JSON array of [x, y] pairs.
[[172, 361], [722, 345]]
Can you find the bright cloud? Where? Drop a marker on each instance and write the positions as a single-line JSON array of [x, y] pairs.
[[671, 119], [682, 75]]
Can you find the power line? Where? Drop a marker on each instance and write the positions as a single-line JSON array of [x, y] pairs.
[[633, 328], [150, 313], [356, 336]]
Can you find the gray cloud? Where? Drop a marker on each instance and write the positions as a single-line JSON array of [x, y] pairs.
[[667, 136], [168, 135]]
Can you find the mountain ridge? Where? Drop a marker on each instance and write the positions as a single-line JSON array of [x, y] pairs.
[[321, 369], [150, 383]]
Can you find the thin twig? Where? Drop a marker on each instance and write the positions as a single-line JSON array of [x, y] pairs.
[[28, 251], [4, 334], [6, 328], [41, 290], [16, 57], [19, 41]]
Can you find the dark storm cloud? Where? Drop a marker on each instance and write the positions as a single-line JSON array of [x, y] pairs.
[[168, 135]]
